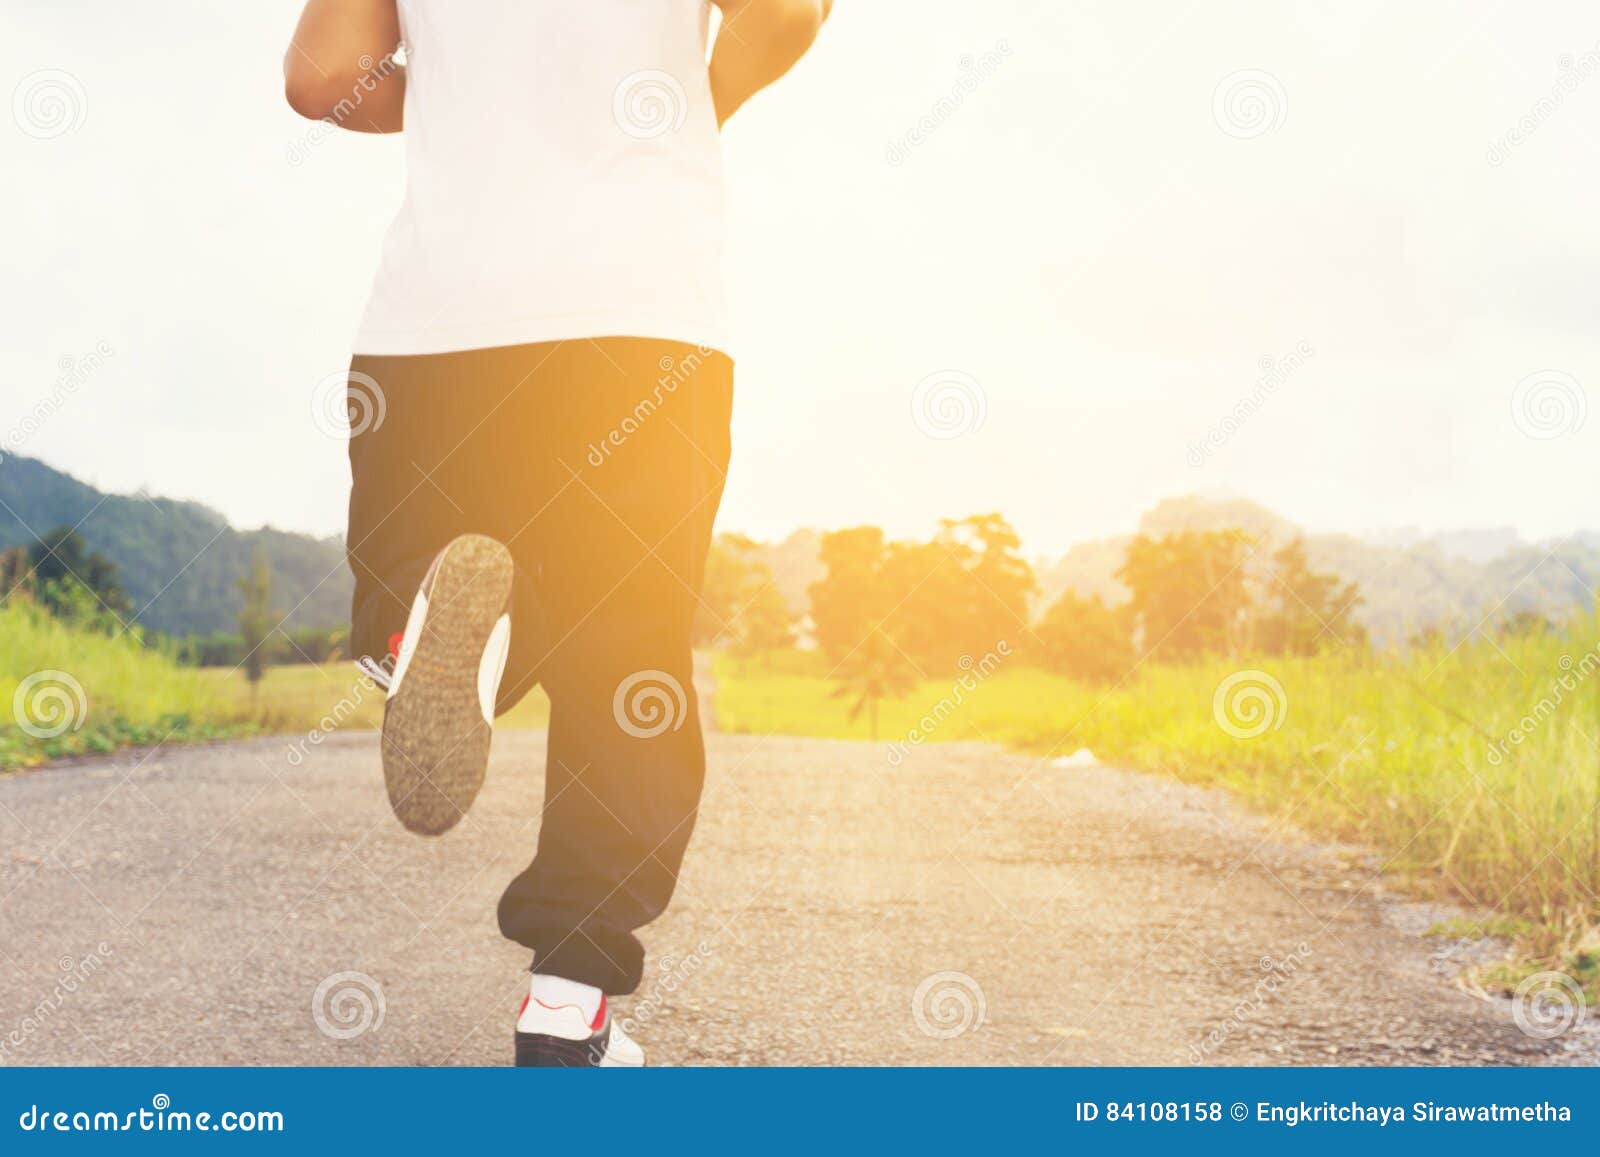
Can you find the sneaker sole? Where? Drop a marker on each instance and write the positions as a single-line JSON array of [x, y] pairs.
[[535, 1050], [435, 738]]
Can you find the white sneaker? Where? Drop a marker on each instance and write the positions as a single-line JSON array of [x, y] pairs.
[[563, 1038]]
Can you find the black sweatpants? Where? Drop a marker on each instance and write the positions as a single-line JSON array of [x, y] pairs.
[[600, 465]]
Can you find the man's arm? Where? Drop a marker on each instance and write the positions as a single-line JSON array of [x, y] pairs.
[[760, 40], [340, 65]]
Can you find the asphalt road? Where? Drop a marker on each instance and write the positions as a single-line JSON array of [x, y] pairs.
[[227, 905]]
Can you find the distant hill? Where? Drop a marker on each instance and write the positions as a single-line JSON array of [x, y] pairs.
[[180, 562]]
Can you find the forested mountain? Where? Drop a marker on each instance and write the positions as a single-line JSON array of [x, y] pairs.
[[179, 562]]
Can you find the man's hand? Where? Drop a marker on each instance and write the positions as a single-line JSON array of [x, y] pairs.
[[760, 40], [340, 65]]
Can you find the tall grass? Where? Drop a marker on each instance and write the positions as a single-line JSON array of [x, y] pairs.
[[65, 690], [329, 696], [1475, 769]]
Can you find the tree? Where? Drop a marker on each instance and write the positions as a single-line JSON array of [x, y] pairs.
[[1305, 612], [764, 623], [1086, 639], [959, 593], [723, 578], [851, 600], [61, 561], [255, 617], [992, 557], [16, 572], [1191, 593], [740, 603], [872, 672]]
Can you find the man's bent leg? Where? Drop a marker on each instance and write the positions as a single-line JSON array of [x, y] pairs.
[[435, 453]]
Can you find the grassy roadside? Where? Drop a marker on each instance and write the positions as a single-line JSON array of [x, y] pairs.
[[65, 691], [1473, 772], [329, 696]]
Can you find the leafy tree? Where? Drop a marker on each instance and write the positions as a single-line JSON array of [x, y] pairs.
[[956, 594], [851, 600], [724, 577], [63, 566], [993, 557], [739, 602], [960, 593], [1305, 612], [255, 618], [872, 672], [1191, 593], [1086, 639], [16, 572], [764, 623]]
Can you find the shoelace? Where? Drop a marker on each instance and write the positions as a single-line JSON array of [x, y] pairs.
[[374, 670]]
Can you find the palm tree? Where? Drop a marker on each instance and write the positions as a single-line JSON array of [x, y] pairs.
[[874, 671]]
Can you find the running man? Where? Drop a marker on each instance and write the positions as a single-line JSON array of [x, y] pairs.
[[546, 336]]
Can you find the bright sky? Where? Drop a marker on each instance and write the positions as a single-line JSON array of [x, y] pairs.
[[1098, 243]]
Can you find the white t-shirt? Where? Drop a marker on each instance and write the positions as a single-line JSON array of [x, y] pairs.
[[564, 178]]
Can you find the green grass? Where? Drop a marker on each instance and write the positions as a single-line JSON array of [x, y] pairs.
[[1406, 755], [86, 693], [82, 692], [325, 696]]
